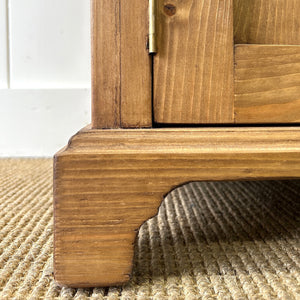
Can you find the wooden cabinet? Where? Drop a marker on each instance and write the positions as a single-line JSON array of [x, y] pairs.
[[218, 62]]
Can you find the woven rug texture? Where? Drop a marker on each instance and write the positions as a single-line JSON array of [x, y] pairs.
[[223, 240]]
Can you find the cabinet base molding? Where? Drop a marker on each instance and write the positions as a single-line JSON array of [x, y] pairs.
[[107, 183]]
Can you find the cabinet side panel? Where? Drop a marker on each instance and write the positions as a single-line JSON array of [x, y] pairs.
[[136, 102], [267, 22], [106, 67], [193, 70]]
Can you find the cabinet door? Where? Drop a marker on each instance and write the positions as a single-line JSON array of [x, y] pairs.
[[193, 69], [205, 74]]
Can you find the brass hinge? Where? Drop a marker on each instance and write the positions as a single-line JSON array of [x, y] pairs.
[[152, 27]]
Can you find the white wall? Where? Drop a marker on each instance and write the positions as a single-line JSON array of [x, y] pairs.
[[44, 74]]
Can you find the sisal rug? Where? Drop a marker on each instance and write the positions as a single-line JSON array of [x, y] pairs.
[[230, 240]]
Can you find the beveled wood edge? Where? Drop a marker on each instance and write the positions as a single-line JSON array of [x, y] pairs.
[[208, 128], [185, 140]]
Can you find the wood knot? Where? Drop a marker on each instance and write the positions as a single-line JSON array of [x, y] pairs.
[[170, 9]]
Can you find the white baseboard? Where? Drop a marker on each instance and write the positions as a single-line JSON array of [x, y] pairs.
[[3, 45], [40, 122]]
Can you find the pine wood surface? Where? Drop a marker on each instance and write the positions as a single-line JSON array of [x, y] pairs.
[[108, 182], [136, 66], [106, 68], [121, 66], [267, 22], [193, 69], [267, 84]]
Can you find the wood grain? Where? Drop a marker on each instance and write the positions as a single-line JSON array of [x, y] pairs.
[[108, 182], [193, 70], [267, 84], [136, 66], [121, 66], [106, 68], [267, 22]]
